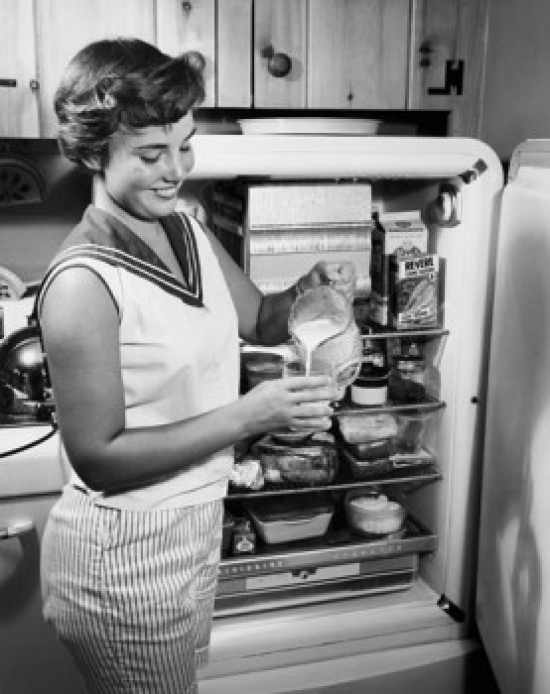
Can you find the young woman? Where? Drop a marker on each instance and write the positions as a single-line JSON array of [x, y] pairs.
[[141, 312]]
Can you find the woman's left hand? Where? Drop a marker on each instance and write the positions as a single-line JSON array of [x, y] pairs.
[[340, 275]]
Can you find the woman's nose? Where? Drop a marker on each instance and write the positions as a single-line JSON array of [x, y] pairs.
[[174, 167]]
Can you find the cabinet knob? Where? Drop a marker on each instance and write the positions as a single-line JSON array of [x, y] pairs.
[[186, 6], [278, 64], [425, 51]]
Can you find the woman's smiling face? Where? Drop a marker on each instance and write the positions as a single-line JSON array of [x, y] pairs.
[[146, 168]]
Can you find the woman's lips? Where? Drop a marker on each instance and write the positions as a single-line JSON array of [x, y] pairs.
[[166, 193]]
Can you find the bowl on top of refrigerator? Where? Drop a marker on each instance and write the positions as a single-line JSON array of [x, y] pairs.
[[309, 126]]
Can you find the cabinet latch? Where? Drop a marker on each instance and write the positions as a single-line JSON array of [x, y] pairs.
[[454, 79]]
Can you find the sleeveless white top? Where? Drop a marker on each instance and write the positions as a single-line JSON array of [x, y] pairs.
[[178, 343]]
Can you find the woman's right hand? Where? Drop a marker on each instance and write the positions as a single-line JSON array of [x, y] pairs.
[[301, 402]]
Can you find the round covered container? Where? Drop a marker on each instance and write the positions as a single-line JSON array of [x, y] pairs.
[[373, 513]]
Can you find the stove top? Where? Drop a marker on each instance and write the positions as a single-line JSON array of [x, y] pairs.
[[33, 413]]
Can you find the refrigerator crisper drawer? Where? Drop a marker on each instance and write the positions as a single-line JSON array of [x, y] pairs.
[[321, 569], [299, 587]]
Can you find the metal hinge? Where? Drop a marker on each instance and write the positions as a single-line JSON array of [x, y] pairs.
[[451, 609]]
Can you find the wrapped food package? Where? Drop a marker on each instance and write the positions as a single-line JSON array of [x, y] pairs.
[[247, 474]]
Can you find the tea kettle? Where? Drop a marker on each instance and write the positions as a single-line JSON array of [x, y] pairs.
[[22, 368]]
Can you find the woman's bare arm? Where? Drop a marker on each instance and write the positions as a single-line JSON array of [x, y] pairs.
[[81, 335]]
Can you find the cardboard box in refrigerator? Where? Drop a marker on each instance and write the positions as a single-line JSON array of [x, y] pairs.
[[414, 291], [401, 234]]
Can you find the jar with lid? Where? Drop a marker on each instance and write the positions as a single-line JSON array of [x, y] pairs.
[[407, 380], [371, 385], [243, 540]]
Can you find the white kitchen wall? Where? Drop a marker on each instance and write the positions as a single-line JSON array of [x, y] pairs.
[[516, 100]]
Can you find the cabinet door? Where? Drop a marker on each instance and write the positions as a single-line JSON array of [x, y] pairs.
[[280, 54], [66, 26], [190, 26], [358, 54], [234, 54], [18, 98], [447, 58]]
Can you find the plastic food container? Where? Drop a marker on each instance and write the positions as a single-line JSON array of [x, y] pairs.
[[368, 469], [371, 451], [363, 427], [372, 513], [407, 382], [311, 463], [289, 519], [411, 431], [368, 460]]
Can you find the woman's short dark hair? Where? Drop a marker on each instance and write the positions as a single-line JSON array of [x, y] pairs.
[[122, 83]]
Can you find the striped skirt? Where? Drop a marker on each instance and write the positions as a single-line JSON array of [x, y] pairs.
[[131, 594]]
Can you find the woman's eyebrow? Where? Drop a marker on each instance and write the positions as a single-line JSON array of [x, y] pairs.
[[151, 145], [162, 145]]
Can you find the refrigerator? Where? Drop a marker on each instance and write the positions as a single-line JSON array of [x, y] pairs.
[[475, 585]]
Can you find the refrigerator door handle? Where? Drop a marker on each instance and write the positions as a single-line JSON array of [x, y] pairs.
[[446, 209], [16, 529]]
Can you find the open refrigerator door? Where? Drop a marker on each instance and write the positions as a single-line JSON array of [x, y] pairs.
[[514, 560]]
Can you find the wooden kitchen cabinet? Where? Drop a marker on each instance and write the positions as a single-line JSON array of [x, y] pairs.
[[65, 26], [280, 54], [342, 54], [358, 54], [190, 26], [18, 93], [289, 54], [447, 58]]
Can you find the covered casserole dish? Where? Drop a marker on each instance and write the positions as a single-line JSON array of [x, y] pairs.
[[290, 518], [310, 463]]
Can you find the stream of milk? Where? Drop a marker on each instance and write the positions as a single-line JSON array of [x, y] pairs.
[[313, 333]]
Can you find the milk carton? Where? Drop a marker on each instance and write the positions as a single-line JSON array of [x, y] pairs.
[[400, 234]]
